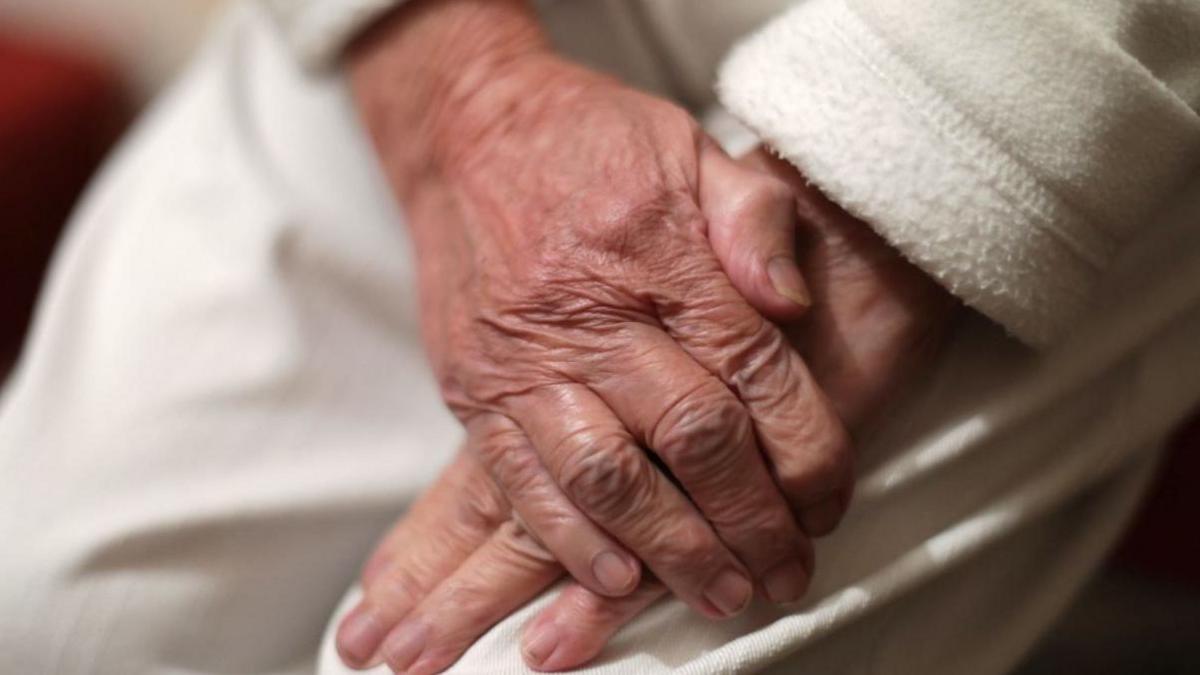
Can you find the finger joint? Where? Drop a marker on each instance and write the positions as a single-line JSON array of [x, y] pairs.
[[606, 477]]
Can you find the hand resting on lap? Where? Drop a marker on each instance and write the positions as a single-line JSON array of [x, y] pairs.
[[459, 561], [576, 312]]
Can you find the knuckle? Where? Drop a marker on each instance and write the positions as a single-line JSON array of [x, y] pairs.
[[590, 610], [481, 507], [641, 225], [820, 474], [677, 116], [517, 468], [753, 517], [395, 588], [688, 546], [583, 612], [495, 449], [756, 366], [765, 196], [606, 476], [699, 434], [763, 524], [836, 458], [465, 594], [777, 191], [775, 194], [521, 545]]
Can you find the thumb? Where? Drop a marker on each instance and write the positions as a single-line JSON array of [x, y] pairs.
[[751, 218]]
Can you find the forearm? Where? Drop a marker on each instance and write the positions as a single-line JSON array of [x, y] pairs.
[[416, 77]]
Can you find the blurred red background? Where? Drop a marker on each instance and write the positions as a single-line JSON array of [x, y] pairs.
[[59, 114]]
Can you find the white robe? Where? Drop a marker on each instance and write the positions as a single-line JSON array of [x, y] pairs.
[[224, 401]]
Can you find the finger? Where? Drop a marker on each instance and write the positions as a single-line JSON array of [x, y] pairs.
[[452, 519], [506, 572], [592, 557], [796, 426], [608, 476], [578, 624], [751, 218], [705, 436], [843, 255], [760, 159]]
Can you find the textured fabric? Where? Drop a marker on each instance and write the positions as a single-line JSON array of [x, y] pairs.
[[1008, 148], [224, 402]]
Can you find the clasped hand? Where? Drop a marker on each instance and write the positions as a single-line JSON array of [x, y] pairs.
[[600, 285]]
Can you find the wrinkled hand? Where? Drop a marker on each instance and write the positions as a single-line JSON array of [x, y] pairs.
[[452, 569], [576, 314], [876, 318]]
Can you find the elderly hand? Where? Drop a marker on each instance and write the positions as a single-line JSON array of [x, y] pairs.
[[576, 313], [451, 569]]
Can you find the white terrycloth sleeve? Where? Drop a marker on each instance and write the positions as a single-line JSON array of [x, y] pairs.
[[1008, 148], [318, 30]]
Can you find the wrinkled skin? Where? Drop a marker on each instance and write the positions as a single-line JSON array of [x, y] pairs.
[[576, 312], [450, 570]]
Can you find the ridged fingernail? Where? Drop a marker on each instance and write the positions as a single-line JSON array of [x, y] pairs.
[[359, 635], [614, 573], [729, 592], [786, 279], [541, 642], [785, 582], [405, 644]]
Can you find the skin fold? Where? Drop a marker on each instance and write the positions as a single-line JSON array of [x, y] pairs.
[[450, 570], [576, 312], [602, 290]]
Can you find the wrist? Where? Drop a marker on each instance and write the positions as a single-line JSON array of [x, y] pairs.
[[419, 76]]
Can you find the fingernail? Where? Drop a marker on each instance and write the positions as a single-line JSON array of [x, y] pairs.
[[614, 573], [540, 643], [786, 279], [729, 592], [359, 635], [786, 582], [405, 645], [822, 517]]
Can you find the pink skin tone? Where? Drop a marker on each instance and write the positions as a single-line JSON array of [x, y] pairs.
[[590, 288], [599, 280], [450, 569]]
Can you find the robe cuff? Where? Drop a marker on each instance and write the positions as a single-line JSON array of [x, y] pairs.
[[825, 92]]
